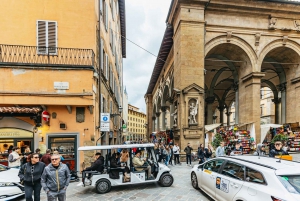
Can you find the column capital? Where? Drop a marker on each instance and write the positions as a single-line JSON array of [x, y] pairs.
[[228, 113], [157, 114], [276, 101], [221, 108], [253, 75], [282, 86], [210, 100], [153, 118], [235, 86], [164, 108]]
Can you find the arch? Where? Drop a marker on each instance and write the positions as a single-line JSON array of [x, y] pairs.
[[244, 45], [272, 87], [293, 45]]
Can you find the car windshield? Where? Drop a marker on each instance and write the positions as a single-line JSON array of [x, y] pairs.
[[291, 183]]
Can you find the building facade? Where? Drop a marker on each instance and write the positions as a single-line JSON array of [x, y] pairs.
[[54, 69], [136, 124], [218, 52]]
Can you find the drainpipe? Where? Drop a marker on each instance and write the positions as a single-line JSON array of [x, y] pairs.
[[99, 70]]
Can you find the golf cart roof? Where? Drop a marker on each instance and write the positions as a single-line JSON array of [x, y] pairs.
[[116, 146]]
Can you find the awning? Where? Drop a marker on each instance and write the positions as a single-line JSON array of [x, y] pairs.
[[211, 127], [244, 124], [34, 110]]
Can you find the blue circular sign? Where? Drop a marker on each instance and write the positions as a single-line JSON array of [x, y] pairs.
[[105, 118]]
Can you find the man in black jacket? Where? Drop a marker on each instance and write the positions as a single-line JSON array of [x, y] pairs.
[[278, 151], [98, 165]]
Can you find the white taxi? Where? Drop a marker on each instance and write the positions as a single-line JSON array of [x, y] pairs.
[[248, 178]]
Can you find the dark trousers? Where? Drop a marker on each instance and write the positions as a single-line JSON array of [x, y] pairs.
[[176, 158], [188, 157], [36, 188], [171, 158]]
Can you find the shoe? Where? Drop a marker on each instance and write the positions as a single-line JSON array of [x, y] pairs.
[[80, 184]]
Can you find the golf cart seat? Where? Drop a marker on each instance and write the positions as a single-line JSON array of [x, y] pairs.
[[92, 172]]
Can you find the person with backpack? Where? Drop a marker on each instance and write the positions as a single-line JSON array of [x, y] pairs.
[[46, 158], [30, 175]]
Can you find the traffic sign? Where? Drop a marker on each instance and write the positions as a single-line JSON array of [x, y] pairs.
[[124, 126], [45, 116], [105, 117], [104, 127]]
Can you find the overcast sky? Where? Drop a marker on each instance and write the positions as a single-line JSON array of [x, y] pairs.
[[145, 25]]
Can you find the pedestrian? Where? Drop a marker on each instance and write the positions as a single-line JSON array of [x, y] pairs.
[[220, 150], [278, 151], [14, 159], [26, 154], [30, 173], [46, 158], [260, 150], [156, 151], [238, 149], [208, 152], [61, 157], [162, 155], [171, 143], [38, 151], [168, 154], [56, 186], [176, 151], [200, 154], [188, 151], [171, 156]]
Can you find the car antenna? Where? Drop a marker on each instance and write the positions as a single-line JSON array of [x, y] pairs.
[[279, 161]]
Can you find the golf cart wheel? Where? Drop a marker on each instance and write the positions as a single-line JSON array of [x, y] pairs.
[[194, 180], [166, 180], [103, 186]]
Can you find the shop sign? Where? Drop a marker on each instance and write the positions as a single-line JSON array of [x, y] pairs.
[[61, 85], [15, 133]]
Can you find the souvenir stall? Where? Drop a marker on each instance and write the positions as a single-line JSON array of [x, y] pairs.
[[268, 131], [293, 132]]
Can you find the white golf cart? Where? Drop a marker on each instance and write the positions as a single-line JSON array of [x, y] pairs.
[[102, 180]]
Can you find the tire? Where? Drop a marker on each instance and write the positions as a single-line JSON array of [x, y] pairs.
[[166, 180], [194, 180], [103, 186]]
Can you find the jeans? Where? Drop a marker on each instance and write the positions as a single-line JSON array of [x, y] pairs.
[[188, 157], [30, 188], [167, 160], [54, 195], [176, 158]]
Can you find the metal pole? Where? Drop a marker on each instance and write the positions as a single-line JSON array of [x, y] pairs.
[[99, 68]]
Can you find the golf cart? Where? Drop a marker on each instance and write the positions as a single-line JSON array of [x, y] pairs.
[[136, 175]]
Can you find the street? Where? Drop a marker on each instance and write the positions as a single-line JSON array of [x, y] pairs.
[[180, 190]]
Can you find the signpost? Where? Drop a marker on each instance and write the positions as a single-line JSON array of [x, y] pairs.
[[105, 118]]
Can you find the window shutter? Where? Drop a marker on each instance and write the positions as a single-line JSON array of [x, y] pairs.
[[101, 54], [41, 40], [106, 66], [106, 17], [101, 6], [52, 37], [101, 99]]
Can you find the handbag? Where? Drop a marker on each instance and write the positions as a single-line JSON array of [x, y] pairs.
[[22, 180]]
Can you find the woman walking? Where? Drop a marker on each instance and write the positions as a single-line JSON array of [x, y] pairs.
[[168, 155], [208, 152], [30, 173], [201, 154]]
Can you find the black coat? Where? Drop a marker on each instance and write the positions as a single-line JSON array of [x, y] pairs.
[[26, 175], [201, 153], [114, 174], [275, 152], [207, 153], [98, 165]]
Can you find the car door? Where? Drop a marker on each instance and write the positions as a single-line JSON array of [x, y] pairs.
[[208, 176], [229, 181]]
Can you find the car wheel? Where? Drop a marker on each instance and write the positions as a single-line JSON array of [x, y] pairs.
[[103, 186], [166, 180], [194, 180]]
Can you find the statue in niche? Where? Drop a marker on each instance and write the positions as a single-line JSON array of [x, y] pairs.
[[175, 116], [193, 112], [272, 23]]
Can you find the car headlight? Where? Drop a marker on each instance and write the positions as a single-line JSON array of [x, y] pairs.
[[3, 184]]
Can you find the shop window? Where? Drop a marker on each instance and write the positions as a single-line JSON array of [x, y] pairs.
[[234, 170], [80, 114]]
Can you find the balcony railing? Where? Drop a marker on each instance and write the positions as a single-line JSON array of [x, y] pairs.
[[19, 55]]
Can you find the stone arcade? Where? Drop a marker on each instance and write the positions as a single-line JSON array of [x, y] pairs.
[[216, 53]]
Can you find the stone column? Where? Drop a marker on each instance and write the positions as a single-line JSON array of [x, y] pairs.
[[163, 112], [153, 124], [249, 92], [236, 89], [228, 117], [277, 108], [209, 101], [171, 116], [158, 121], [282, 89], [221, 109]]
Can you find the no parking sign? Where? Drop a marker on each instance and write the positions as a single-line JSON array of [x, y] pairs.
[[46, 116], [105, 117]]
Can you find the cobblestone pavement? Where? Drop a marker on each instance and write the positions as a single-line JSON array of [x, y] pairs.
[[180, 190]]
